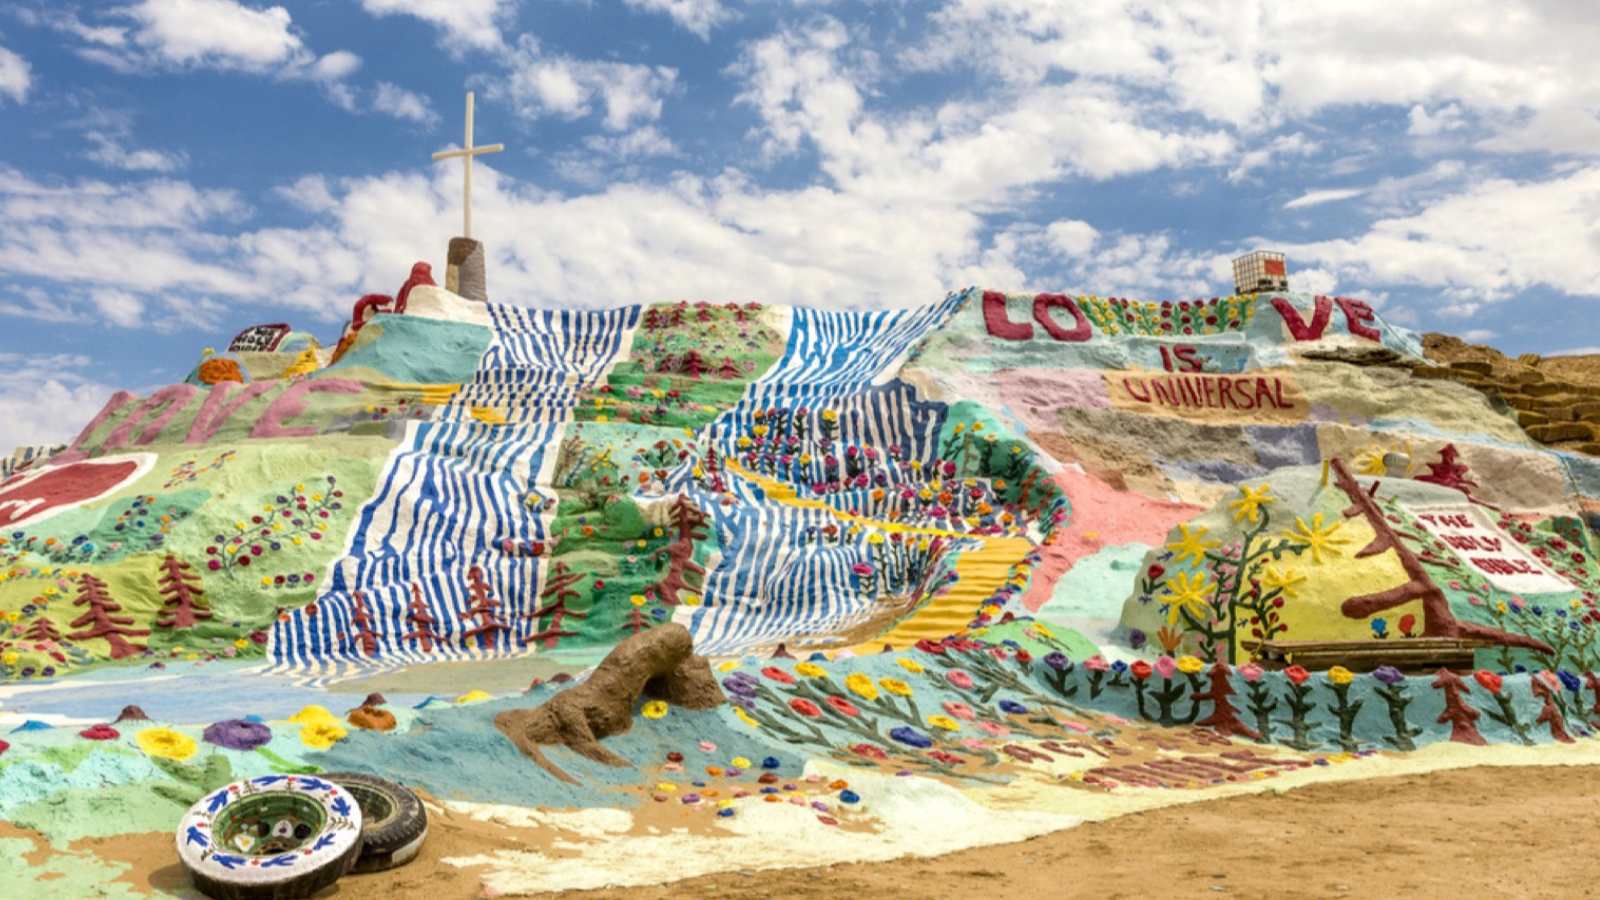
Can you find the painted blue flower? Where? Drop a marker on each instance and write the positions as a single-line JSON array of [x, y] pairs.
[[1380, 627], [1012, 706], [911, 737], [1570, 681], [1119, 667], [315, 784]]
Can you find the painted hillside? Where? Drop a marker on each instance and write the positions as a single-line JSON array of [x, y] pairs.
[[466, 480]]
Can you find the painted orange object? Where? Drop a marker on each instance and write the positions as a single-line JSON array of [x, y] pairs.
[[219, 369]]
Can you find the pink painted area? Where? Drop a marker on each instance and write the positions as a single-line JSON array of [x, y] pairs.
[[76, 452], [291, 403], [26, 499], [165, 403], [1115, 517], [218, 409]]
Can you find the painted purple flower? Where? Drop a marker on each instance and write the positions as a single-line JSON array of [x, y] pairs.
[[1569, 681], [911, 737], [1057, 660], [1136, 638], [237, 734], [1388, 675], [740, 683]]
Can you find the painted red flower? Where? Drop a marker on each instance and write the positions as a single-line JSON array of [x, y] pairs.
[[844, 706], [1297, 674], [949, 759], [869, 751], [778, 675], [100, 732], [1141, 669], [805, 707], [1024, 657], [927, 646]]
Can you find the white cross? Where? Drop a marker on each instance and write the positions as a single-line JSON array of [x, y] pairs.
[[467, 152]]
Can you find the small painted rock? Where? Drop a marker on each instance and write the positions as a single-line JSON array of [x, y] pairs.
[[675, 756], [770, 762], [371, 718], [768, 778], [849, 797]]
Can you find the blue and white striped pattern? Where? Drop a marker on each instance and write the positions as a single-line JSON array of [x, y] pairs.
[[452, 493]]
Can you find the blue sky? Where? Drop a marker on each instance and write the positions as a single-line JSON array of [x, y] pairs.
[[173, 170]]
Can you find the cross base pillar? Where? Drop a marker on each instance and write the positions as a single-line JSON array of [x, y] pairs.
[[463, 274]]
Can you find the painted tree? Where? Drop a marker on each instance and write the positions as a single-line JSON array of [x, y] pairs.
[[422, 622], [559, 585], [728, 368], [1550, 714], [693, 364], [1224, 718], [1460, 714], [687, 520], [42, 629], [484, 610], [185, 600], [361, 617], [1437, 619], [100, 619]]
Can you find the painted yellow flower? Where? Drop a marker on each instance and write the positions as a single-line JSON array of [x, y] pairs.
[[909, 664], [1340, 675], [165, 743], [1190, 665], [638, 600], [1248, 507], [944, 722], [1189, 592], [10, 658], [313, 713], [241, 643], [654, 709], [322, 735], [690, 600], [740, 762], [1192, 544], [861, 685], [474, 696], [1042, 630], [1370, 462], [728, 666], [1285, 578], [1318, 539], [810, 670], [875, 538], [746, 717], [896, 686]]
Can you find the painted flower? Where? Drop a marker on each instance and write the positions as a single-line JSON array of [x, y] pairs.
[[745, 717], [740, 684], [861, 685], [843, 706], [1569, 681], [1057, 660], [165, 743], [778, 675], [237, 734], [959, 679], [810, 670], [1388, 675], [944, 722], [805, 707], [1297, 674], [870, 751], [1286, 579], [895, 686], [994, 728], [1318, 539], [949, 759], [1166, 666], [1141, 669], [1187, 592], [322, 735], [1248, 507], [1190, 665], [959, 710], [1096, 663], [911, 737], [933, 647], [1012, 707], [909, 664], [1340, 675], [654, 709], [1192, 544], [1488, 680], [100, 732]]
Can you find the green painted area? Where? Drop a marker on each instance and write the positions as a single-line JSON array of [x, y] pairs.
[[61, 875]]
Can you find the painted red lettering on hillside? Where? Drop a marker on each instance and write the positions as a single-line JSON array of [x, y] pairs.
[[1297, 326], [994, 319], [1357, 315], [1042, 305], [29, 497]]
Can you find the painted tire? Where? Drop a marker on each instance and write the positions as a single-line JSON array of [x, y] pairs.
[[276, 836], [393, 822]]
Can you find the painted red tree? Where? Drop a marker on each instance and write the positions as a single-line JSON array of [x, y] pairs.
[[100, 619], [1437, 619], [1224, 718], [422, 622], [361, 617], [185, 600], [1448, 472], [42, 629], [688, 521], [1550, 714], [1460, 714], [484, 610], [693, 364], [635, 621], [559, 584], [728, 368]]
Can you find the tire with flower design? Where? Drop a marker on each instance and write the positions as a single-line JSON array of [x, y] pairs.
[[394, 824], [275, 836]]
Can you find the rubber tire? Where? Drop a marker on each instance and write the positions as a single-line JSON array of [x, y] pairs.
[[305, 883], [394, 839]]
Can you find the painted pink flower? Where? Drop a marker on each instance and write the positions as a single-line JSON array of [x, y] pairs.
[[959, 710], [1096, 663], [1251, 672], [1166, 666], [959, 678], [994, 728]]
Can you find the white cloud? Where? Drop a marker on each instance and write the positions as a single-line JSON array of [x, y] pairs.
[[1479, 335], [396, 101], [1576, 351], [465, 23], [15, 76], [554, 85], [698, 16], [45, 398], [1295, 144], [109, 152], [310, 193], [1425, 124], [214, 33], [1481, 244], [1317, 198]]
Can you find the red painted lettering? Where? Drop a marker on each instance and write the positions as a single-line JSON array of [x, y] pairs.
[[1188, 354], [1042, 305], [995, 320], [1127, 385], [1357, 316], [1297, 326]]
